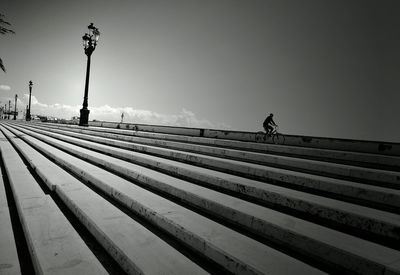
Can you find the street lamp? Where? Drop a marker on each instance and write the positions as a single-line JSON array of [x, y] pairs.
[[89, 43], [28, 113], [15, 108], [9, 108]]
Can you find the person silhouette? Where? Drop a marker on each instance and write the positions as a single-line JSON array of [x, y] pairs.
[[268, 123]]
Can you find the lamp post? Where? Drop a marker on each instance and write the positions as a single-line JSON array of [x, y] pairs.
[[89, 43], [9, 108], [28, 113], [5, 111], [15, 107]]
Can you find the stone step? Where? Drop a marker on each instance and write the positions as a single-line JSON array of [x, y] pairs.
[[56, 248], [235, 252], [190, 143], [357, 217], [9, 262], [135, 248], [374, 147], [345, 190], [315, 240], [384, 178]]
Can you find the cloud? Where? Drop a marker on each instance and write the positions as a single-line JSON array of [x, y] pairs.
[[5, 87], [183, 118]]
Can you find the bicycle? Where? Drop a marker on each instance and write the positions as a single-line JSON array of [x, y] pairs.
[[277, 138]]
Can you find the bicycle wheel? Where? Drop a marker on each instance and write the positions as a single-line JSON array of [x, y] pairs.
[[278, 139], [260, 137]]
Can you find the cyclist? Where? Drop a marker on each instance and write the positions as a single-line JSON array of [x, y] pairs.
[[268, 123]]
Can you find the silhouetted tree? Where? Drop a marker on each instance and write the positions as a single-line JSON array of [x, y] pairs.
[[4, 30]]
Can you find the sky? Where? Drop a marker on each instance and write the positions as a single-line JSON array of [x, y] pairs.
[[324, 68]]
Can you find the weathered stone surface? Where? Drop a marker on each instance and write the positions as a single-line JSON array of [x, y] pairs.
[[370, 157], [55, 246], [327, 203], [9, 263], [335, 186], [134, 247], [233, 251], [388, 148]]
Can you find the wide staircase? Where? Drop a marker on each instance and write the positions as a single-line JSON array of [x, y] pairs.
[[140, 199]]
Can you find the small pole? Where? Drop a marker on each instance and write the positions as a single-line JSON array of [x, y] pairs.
[[15, 108]]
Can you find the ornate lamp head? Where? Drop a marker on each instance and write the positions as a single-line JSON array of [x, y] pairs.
[[90, 39]]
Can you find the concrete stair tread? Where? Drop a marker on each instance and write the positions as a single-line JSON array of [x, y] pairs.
[[348, 213], [376, 147], [287, 192], [369, 213], [239, 247], [324, 201], [141, 251], [9, 262], [350, 189], [316, 166], [55, 245], [352, 245], [232, 163], [263, 147]]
